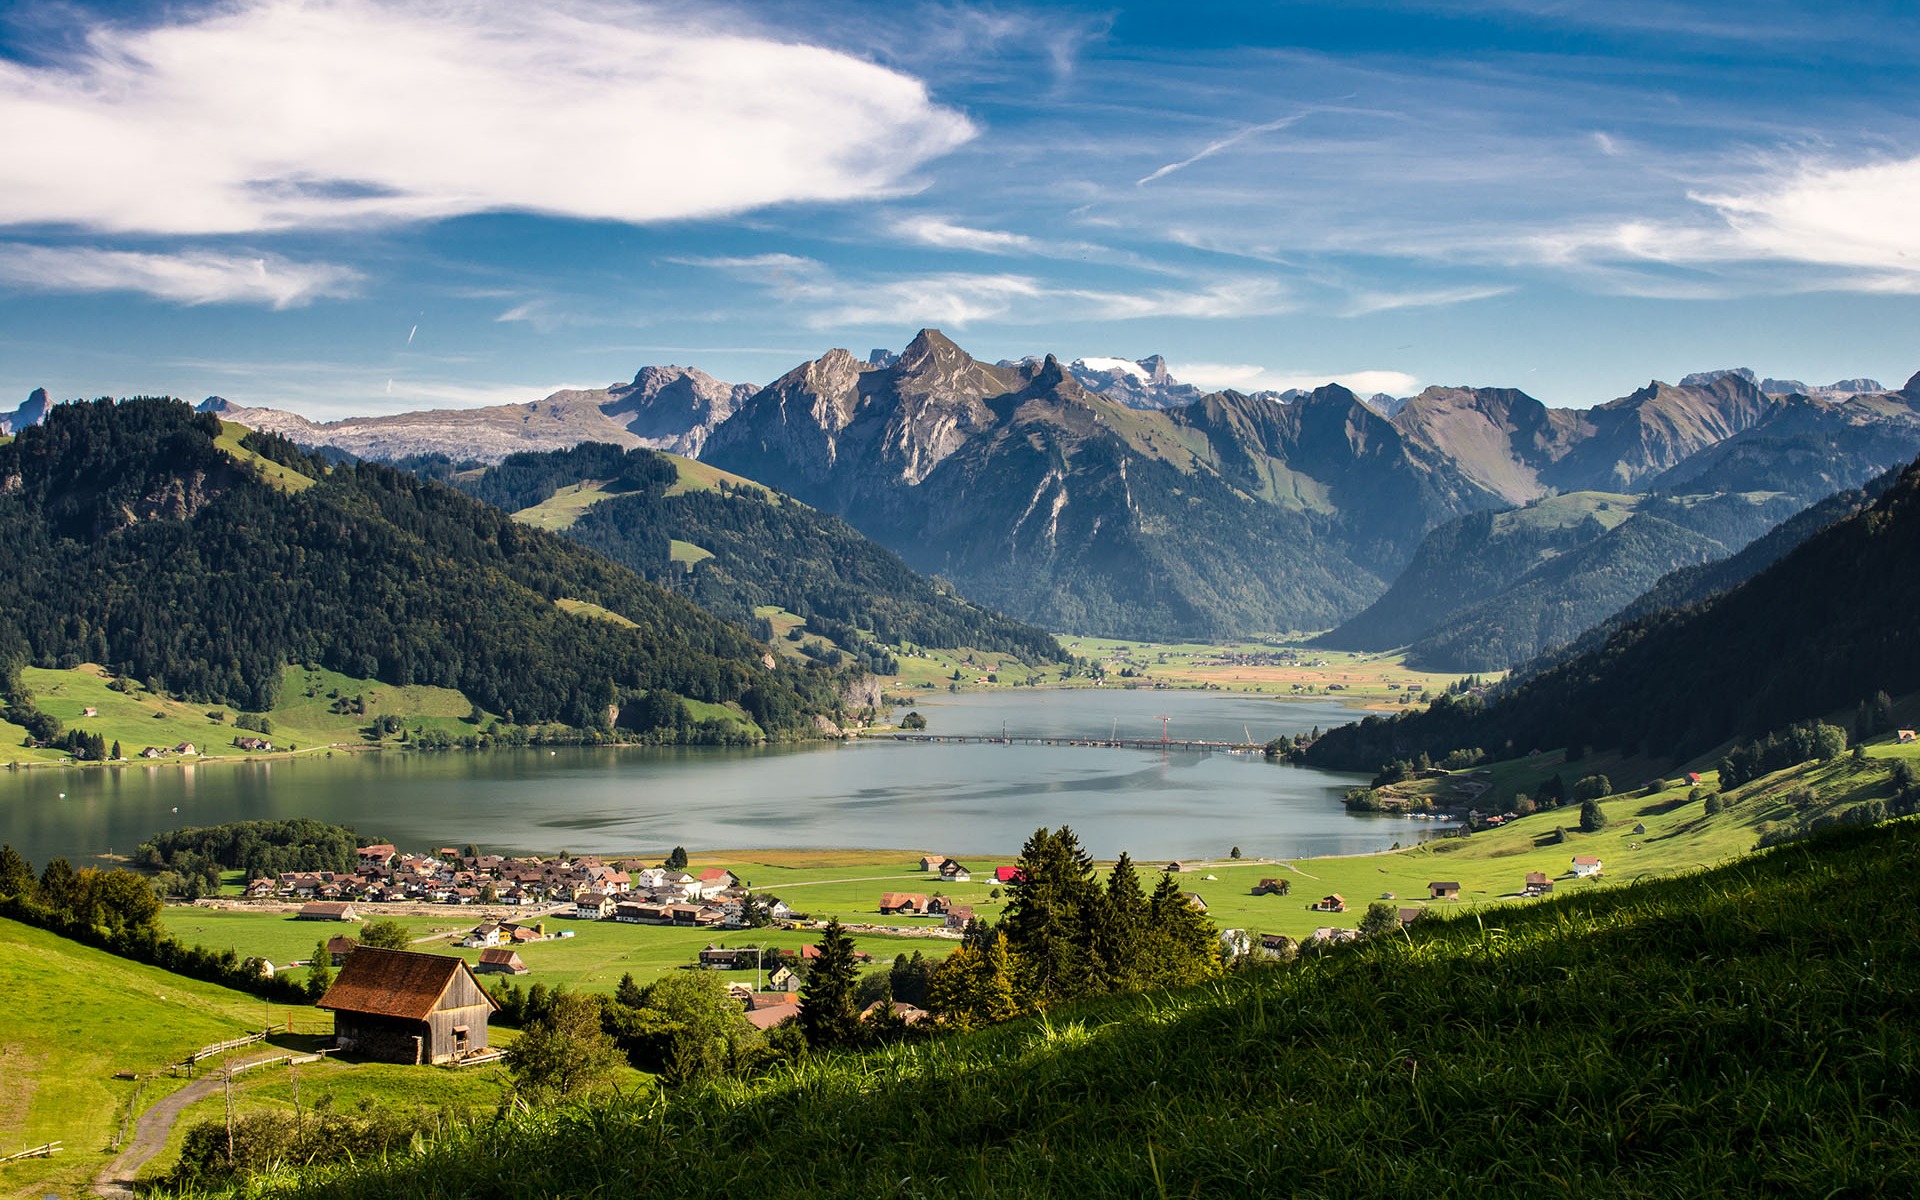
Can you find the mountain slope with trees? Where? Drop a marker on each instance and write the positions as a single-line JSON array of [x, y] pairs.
[[1822, 629], [763, 550], [159, 543]]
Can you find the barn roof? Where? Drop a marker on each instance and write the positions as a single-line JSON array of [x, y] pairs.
[[394, 983]]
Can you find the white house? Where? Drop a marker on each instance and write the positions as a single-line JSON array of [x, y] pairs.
[[1584, 866]]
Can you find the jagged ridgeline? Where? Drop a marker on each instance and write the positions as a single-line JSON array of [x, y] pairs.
[[732, 547], [204, 559], [1828, 625]]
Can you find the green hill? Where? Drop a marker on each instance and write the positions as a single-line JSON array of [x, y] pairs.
[[734, 547], [75, 1018], [1641, 1041], [202, 561]]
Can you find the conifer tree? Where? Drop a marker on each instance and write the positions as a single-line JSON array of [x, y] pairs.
[[1124, 920], [827, 1015], [1047, 919], [1181, 944]]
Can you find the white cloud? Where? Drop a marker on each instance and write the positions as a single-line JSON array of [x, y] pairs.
[[1365, 302], [945, 235], [1857, 222], [270, 114], [1249, 378], [950, 300], [187, 276]]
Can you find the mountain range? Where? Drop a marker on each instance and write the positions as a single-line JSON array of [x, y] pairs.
[[1104, 496]]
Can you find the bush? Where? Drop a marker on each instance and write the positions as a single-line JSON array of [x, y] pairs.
[[1715, 805], [1592, 787], [1592, 819]]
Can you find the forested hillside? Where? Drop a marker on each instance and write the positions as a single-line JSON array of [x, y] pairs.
[[1827, 626], [762, 550], [158, 543]]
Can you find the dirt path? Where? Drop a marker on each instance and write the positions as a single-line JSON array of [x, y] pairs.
[[151, 1130]]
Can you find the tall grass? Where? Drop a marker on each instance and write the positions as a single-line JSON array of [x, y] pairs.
[[1746, 1030]]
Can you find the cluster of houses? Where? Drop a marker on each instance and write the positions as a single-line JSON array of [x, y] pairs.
[[664, 896], [183, 750], [594, 889]]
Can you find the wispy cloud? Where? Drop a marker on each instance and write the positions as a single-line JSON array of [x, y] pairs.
[[1246, 377], [947, 235], [186, 277], [1214, 147], [959, 299], [271, 114]]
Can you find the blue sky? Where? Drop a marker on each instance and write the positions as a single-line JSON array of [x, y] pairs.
[[350, 206]]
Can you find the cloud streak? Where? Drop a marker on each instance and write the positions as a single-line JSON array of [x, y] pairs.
[[1215, 147], [186, 277], [277, 114]]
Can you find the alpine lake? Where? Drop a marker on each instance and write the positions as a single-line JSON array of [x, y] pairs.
[[979, 797]]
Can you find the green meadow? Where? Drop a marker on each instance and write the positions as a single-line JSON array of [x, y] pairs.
[[316, 712], [75, 1020]]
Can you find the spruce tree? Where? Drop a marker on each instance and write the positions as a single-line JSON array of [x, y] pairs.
[[827, 1015], [56, 886], [1046, 920], [1181, 944], [1124, 910], [1592, 819]]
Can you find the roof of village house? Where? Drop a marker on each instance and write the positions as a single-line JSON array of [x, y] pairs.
[[771, 1015], [501, 954], [1536, 877], [1445, 884], [394, 983], [902, 900], [714, 873], [341, 943], [326, 908], [1583, 860]]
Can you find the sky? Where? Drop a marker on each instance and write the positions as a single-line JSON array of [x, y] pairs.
[[358, 206]]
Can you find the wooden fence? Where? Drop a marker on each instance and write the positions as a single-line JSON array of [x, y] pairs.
[[50, 1148]]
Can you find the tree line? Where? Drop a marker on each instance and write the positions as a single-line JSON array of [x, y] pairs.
[[128, 538]]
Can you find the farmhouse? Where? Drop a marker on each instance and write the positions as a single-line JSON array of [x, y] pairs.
[[1584, 866], [1333, 903], [958, 915], [1537, 884], [718, 958], [931, 862], [405, 1007], [1446, 890], [326, 910], [1905, 735], [252, 743], [502, 960], [1197, 900], [339, 946], [911, 903], [1409, 915], [592, 906], [954, 872], [1007, 875]]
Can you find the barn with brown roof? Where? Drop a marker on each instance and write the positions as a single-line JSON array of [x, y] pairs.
[[403, 1006]]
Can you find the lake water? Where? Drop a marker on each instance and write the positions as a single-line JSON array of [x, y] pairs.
[[953, 798]]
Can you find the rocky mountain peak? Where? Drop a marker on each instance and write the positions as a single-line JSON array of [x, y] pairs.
[[31, 413], [1702, 379]]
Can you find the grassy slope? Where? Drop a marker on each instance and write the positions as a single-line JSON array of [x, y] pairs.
[[73, 1018], [303, 717], [1645, 1041], [285, 478]]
